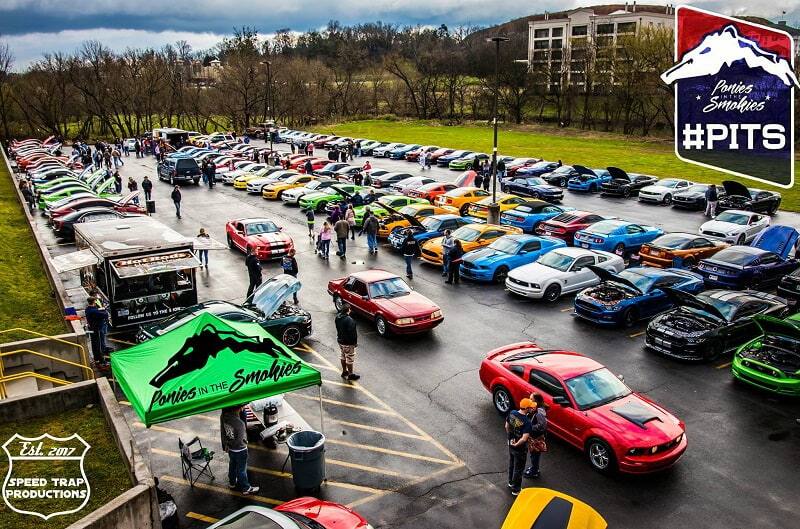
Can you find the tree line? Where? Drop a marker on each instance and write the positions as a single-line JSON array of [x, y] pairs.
[[340, 73]]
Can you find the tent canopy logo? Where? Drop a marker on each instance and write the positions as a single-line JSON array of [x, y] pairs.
[[733, 96]]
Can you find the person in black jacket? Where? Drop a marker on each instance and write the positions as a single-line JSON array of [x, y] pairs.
[[711, 201], [347, 337], [147, 187], [253, 271], [97, 320], [454, 270], [176, 199], [289, 265], [410, 249]]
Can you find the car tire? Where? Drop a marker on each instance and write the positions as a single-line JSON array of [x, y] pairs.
[[338, 302], [291, 335], [689, 262], [321, 207], [601, 456], [667, 200], [741, 240], [230, 243], [562, 182], [463, 210], [630, 318], [502, 400], [197, 181], [552, 293], [504, 188], [535, 195], [500, 274], [592, 188], [279, 195], [626, 193], [772, 210], [381, 326]]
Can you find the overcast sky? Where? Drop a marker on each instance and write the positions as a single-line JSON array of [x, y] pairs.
[[33, 27]]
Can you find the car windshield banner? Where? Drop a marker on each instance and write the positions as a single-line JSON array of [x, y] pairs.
[[733, 96]]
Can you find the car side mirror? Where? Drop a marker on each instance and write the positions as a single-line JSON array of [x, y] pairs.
[[561, 401], [621, 378]]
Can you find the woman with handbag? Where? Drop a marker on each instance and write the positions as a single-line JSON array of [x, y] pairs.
[[536, 443]]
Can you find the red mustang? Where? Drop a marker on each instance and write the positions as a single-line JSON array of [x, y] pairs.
[[431, 191], [262, 235], [565, 225], [590, 407], [387, 300], [124, 205], [316, 164]]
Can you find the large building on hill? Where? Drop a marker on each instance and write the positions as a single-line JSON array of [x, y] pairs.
[[561, 44]]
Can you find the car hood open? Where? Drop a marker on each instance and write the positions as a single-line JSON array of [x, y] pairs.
[[271, 295], [580, 169], [688, 300], [774, 326], [609, 276], [778, 239], [618, 174], [735, 188]]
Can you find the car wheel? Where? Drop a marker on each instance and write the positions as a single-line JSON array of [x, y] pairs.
[[689, 262], [197, 182], [600, 455], [381, 326], [742, 239], [291, 335], [338, 302], [626, 192], [630, 318], [321, 207], [592, 189], [562, 182], [280, 195], [463, 210], [667, 199], [772, 210], [502, 400], [500, 274], [230, 242], [535, 195], [552, 293], [504, 188]]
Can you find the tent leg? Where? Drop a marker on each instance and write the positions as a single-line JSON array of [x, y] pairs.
[[321, 419]]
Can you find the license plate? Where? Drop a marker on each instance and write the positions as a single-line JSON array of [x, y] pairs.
[[713, 277], [584, 245]]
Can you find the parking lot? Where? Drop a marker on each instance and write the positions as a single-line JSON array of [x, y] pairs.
[[417, 442]]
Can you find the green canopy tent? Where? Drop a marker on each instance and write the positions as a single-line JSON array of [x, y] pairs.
[[207, 364]]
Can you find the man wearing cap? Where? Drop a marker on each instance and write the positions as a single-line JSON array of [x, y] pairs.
[[518, 428]]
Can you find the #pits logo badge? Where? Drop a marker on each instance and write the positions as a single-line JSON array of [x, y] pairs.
[[45, 475], [733, 96]]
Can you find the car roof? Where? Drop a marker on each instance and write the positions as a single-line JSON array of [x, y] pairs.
[[376, 274], [565, 364], [744, 249], [574, 252], [253, 219]]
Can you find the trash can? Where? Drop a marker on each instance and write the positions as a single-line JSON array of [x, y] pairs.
[[151, 206], [307, 452]]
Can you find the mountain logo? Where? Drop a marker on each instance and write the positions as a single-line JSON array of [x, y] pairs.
[[734, 106]]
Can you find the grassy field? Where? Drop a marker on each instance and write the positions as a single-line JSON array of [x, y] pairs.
[[103, 464], [26, 299], [591, 149]]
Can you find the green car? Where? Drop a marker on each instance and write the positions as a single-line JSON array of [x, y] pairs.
[[318, 200], [105, 189], [462, 164], [89, 181], [393, 201], [771, 361]]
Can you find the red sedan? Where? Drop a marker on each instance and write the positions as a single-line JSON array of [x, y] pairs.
[[387, 300], [590, 408], [261, 235], [565, 225], [296, 163], [430, 191], [515, 165], [316, 164], [125, 205], [301, 513]]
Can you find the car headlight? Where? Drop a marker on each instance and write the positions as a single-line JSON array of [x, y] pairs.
[[404, 321], [535, 285], [436, 314]]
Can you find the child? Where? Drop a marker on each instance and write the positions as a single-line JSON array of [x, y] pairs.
[[310, 222], [325, 236], [289, 264]]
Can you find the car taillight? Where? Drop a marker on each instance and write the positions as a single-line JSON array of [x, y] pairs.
[[597, 240]]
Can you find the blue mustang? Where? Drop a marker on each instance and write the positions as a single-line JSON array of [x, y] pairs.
[[427, 228], [588, 180], [619, 236], [529, 215], [532, 186], [400, 152], [760, 265], [537, 169], [509, 251], [633, 294]]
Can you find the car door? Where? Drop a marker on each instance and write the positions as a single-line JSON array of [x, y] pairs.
[[579, 276], [354, 293], [634, 236], [768, 270], [238, 235], [754, 225], [530, 250], [655, 302], [560, 419]]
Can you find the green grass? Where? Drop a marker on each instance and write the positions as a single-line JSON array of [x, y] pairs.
[[103, 464], [26, 299], [592, 149]]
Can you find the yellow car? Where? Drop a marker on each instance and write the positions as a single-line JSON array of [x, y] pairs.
[[275, 190], [417, 211], [461, 198], [547, 508], [240, 182], [480, 209], [199, 141], [472, 237]]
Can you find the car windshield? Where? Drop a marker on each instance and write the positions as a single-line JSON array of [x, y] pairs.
[[388, 288], [523, 209], [734, 256], [466, 234], [257, 228], [431, 224], [251, 520], [604, 227], [727, 309], [314, 184], [409, 210], [509, 246], [596, 388], [535, 181], [556, 260], [540, 165], [673, 240], [733, 218], [668, 182]]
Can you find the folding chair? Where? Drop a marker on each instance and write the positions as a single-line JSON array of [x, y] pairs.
[[195, 463]]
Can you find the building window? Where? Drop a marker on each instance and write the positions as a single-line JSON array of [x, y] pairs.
[[541, 33], [557, 32], [579, 31], [605, 29], [626, 27], [604, 41], [556, 55], [540, 56], [540, 44], [555, 43]]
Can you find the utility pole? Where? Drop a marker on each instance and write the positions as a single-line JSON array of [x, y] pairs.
[[494, 208], [268, 110]]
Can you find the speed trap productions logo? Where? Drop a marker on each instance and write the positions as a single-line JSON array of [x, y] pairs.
[[46, 476], [733, 96]]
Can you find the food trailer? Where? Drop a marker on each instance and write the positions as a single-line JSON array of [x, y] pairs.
[[173, 136], [142, 269]]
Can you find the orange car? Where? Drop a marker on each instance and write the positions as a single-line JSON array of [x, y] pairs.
[[679, 250], [461, 198], [417, 211]]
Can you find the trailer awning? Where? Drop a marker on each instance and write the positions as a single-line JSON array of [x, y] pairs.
[[154, 264], [74, 261]]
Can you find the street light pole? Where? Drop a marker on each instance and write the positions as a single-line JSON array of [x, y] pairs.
[[493, 216], [268, 110]]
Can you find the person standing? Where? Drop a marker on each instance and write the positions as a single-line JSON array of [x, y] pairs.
[[370, 227], [325, 236], [27, 194], [350, 217], [233, 431], [117, 156], [212, 175], [711, 201], [423, 160], [310, 218], [308, 168], [289, 265], [117, 182], [358, 178], [342, 229], [204, 170], [176, 199], [203, 253], [410, 249], [336, 214], [478, 181], [147, 187], [253, 271], [518, 429], [447, 245], [347, 337], [501, 170], [537, 444], [454, 270], [137, 147], [97, 321]]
